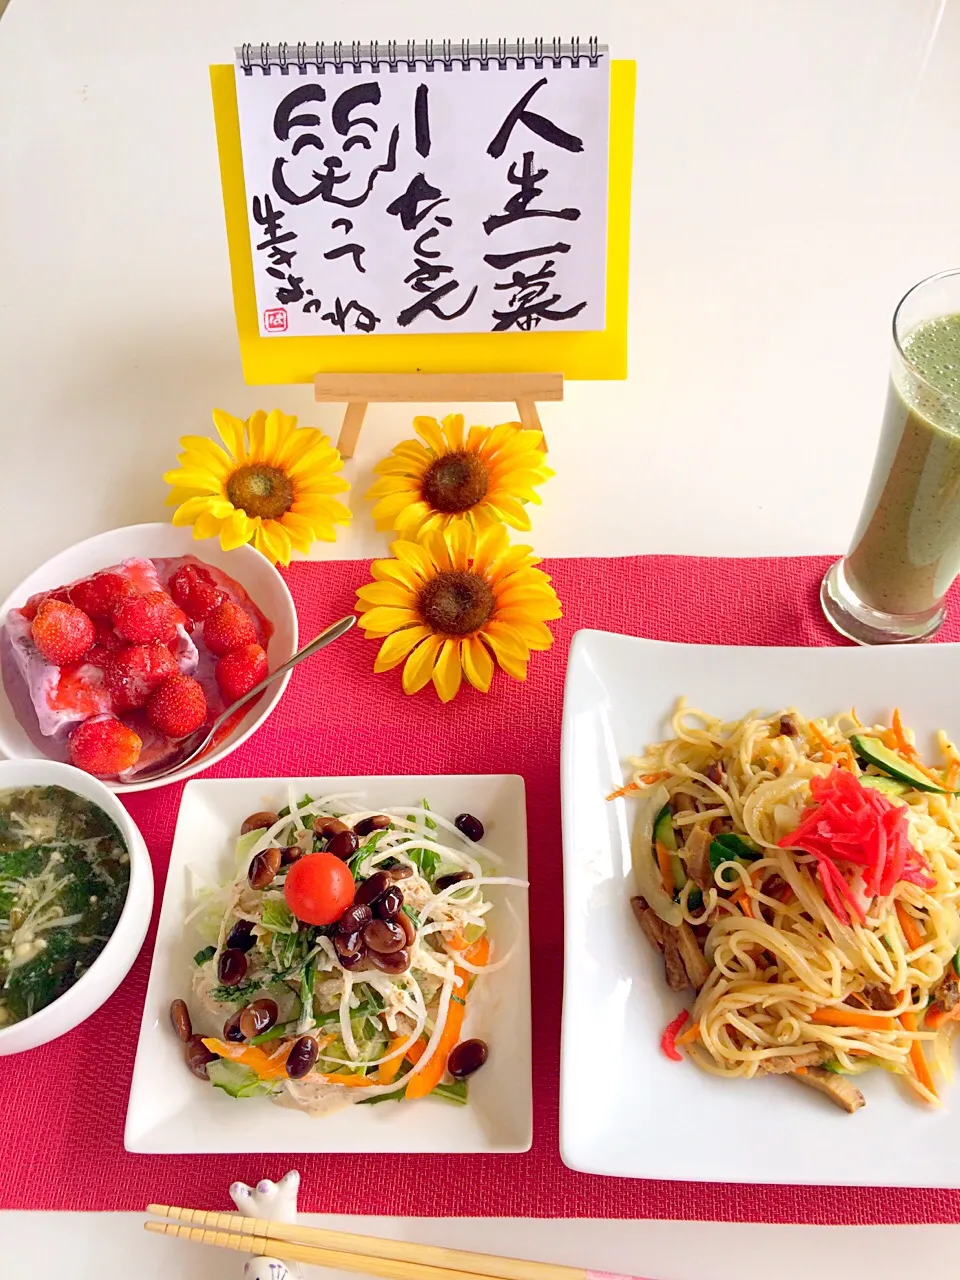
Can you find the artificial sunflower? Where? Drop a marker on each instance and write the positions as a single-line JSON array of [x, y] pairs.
[[452, 603], [272, 485], [480, 479]]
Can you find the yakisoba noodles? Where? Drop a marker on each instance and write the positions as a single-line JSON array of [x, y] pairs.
[[822, 961]]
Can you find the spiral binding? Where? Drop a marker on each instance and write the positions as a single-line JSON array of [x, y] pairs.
[[430, 56]]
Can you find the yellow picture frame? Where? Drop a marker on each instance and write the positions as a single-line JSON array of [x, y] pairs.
[[584, 355]]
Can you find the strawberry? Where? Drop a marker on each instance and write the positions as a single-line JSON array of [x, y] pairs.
[[104, 746], [193, 589], [62, 632], [228, 627], [99, 596], [30, 609], [105, 646], [239, 670], [148, 618], [136, 671], [178, 707]]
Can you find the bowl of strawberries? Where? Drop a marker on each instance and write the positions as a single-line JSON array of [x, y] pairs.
[[118, 648]]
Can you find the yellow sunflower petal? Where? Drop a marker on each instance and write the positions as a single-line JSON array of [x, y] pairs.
[[511, 559], [177, 496], [274, 541], [492, 543], [506, 637], [396, 647], [327, 509], [381, 619], [393, 466], [506, 656], [236, 530], [412, 451], [419, 526], [475, 438], [230, 431], [388, 593], [499, 436], [300, 528], [409, 520], [447, 673], [298, 444], [511, 512], [460, 539], [201, 481], [452, 427], [428, 429], [392, 504], [393, 484], [255, 429], [476, 662], [418, 668], [394, 571], [200, 451], [416, 556], [185, 514], [319, 462], [535, 635], [207, 526]]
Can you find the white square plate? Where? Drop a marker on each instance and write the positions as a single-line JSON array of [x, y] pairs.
[[170, 1111], [653, 1118]]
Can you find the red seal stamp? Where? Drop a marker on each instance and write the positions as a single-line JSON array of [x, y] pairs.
[[275, 319]]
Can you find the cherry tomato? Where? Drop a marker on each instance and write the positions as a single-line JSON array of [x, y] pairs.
[[319, 888]]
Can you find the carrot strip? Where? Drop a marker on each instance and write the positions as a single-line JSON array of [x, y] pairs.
[[692, 1033], [826, 745], [625, 790], [741, 899], [936, 1017], [918, 1058], [646, 780], [354, 1082], [848, 1017], [387, 1071], [666, 871], [903, 745], [799, 1071], [952, 776], [266, 1066], [911, 930], [416, 1051], [426, 1080]]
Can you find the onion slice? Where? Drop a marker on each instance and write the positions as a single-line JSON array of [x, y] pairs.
[[646, 872]]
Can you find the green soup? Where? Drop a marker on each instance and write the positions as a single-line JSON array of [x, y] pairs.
[[64, 874]]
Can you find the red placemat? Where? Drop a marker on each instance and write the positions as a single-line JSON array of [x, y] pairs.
[[62, 1106]]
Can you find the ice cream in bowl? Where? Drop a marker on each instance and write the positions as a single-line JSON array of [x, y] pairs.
[[114, 651]]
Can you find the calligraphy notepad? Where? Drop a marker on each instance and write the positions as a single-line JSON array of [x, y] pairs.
[[447, 208]]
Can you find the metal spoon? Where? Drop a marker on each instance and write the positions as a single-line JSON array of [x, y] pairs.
[[193, 745]]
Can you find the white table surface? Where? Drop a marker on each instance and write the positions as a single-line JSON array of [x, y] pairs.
[[795, 172]]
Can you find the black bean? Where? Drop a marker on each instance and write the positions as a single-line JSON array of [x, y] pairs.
[[390, 903], [365, 826], [466, 1058], [343, 845], [289, 854], [444, 882], [470, 826], [354, 918], [326, 827], [259, 1016], [197, 1056], [408, 927], [370, 890], [402, 872], [788, 727], [264, 868], [258, 821], [384, 936], [180, 1017], [232, 966], [394, 962], [348, 946], [358, 961], [302, 1057], [241, 935], [232, 1030]]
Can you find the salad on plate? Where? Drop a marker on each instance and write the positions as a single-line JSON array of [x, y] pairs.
[[341, 959]]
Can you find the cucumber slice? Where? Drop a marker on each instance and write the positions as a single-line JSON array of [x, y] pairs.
[[874, 752], [889, 786], [663, 831]]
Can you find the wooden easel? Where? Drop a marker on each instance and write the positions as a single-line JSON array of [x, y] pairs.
[[361, 389]]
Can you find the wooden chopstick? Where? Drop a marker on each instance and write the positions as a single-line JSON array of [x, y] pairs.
[[345, 1251]]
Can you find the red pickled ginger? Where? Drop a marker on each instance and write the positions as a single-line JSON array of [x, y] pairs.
[[851, 826]]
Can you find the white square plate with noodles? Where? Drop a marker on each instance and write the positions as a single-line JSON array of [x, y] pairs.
[[172, 1112], [626, 1109]]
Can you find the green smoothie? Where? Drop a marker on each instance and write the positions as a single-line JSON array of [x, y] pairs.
[[906, 550]]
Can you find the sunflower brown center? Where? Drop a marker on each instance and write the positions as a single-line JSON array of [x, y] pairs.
[[455, 482], [260, 491], [456, 603]]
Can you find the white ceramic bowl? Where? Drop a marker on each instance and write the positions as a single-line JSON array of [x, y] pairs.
[[253, 571], [113, 963]]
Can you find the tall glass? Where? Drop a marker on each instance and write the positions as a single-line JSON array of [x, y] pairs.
[[890, 587]]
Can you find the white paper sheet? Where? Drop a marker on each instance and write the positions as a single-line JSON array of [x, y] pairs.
[[391, 200]]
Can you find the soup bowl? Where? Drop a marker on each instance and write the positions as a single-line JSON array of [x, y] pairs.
[[114, 962]]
